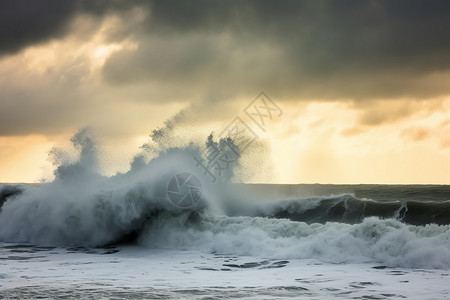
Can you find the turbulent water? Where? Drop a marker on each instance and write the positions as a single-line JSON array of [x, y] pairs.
[[232, 226], [409, 229]]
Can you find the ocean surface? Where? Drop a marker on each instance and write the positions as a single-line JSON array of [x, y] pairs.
[[123, 237], [179, 225]]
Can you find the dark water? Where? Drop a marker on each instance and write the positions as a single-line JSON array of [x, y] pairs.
[[370, 233], [411, 204], [310, 203]]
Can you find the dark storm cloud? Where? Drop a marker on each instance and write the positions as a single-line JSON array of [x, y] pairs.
[[321, 49], [27, 22], [354, 30], [319, 40], [331, 30]]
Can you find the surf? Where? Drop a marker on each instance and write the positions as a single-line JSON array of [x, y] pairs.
[[81, 207]]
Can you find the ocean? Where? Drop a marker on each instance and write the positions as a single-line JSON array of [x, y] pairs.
[[173, 227], [93, 238]]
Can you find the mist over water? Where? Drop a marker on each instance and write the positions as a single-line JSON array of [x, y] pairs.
[[82, 207]]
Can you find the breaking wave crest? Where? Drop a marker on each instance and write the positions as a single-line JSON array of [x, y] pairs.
[[389, 242]]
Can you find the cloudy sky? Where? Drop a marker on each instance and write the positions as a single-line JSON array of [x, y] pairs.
[[364, 86]]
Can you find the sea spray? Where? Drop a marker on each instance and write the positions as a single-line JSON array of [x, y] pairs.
[[82, 207]]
